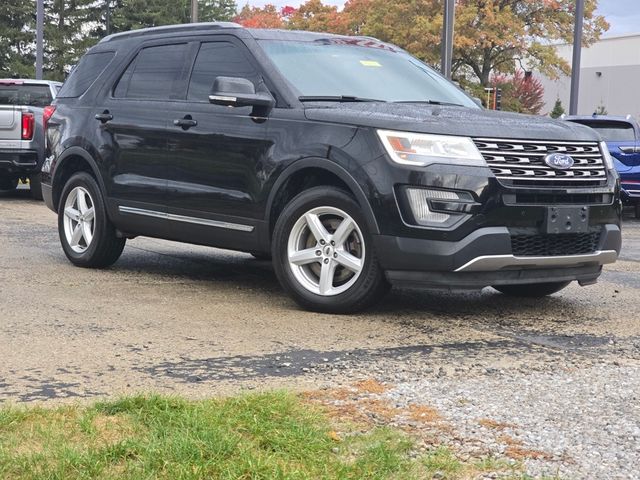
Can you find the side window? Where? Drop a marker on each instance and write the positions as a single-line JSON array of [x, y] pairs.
[[85, 73], [218, 59], [153, 73]]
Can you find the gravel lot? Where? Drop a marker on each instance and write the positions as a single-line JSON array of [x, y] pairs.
[[555, 382]]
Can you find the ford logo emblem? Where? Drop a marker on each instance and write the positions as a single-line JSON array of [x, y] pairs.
[[559, 161]]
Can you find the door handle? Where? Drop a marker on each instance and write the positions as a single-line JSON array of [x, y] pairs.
[[185, 123], [104, 116]]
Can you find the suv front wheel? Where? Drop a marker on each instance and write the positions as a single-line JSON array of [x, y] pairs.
[[323, 253], [87, 235]]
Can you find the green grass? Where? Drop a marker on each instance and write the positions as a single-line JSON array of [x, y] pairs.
[[263, 436]]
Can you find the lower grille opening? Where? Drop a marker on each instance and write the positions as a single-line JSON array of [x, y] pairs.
[[542, 245]]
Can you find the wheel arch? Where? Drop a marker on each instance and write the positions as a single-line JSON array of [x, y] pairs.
[[310, 172], [72, 160]]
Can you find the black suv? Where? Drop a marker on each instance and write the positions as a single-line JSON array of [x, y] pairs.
[[349, 162]]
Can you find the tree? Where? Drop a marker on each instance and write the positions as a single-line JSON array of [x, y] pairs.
[[495, 35], [17, 49], [134, 14], [70, 29], [601, 110], [415, 25], [260, 17], [558, 109], [317, 17], [520, 92]]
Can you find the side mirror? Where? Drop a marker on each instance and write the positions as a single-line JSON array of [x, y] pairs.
[[240, 92]]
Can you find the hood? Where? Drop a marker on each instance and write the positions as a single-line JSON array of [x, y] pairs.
[[446, 120]]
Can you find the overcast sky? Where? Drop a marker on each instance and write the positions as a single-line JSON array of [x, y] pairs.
[[623, 15]]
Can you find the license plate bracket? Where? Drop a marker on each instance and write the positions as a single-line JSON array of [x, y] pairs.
[[567, 220]]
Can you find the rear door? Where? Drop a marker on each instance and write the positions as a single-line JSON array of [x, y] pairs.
[[213, 161], [133, 120]]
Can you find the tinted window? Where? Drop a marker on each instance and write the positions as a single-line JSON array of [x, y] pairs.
[[217, 59], [612, 131], [32, 95], [153, 73], [362, 68], [85, 73]]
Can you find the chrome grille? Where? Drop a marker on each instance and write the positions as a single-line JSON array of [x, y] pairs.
[[521, 162]]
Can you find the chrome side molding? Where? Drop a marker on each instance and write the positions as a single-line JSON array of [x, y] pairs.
[[498, 262], [182, 218]]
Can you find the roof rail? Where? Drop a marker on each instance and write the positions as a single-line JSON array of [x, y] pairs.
[[169, 29]]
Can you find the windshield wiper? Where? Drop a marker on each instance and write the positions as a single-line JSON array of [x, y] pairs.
[[432, 102], [336, 98]]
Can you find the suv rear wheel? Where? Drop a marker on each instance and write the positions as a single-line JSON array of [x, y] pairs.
[[323, 253], [87, 236], [532, 290]]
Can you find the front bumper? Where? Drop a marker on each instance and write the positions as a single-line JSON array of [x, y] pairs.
[[485, 258]]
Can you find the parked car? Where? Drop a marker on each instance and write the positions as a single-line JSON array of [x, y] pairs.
[[622, 136], [351, 163], [22, 106]]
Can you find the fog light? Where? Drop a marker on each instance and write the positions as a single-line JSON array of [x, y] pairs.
[[419, 202]]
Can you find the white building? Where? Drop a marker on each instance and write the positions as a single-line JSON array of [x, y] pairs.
[[609, 77]]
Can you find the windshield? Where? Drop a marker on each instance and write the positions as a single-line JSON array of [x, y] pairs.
[[23, 94], [612, 131], [361, 69]]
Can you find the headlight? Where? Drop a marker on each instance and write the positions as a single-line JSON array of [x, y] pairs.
[[421, 149], [606, 156]]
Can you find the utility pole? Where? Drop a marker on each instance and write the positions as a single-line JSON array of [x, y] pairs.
[[447, 38], [108, 18], [39, 38], [577, 52], [194, 11]]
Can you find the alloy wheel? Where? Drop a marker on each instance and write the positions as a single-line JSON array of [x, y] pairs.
[[79, 219], [326, 251]]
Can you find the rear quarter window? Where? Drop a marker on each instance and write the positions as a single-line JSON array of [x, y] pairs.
[[85, 73]]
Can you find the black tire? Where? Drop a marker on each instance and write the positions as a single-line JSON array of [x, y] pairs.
[[532, 290], [35, 184], [637, 210], [8, 184], [105, 247], [366, 287]]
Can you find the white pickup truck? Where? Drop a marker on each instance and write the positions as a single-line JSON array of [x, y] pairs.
[[22, 107]]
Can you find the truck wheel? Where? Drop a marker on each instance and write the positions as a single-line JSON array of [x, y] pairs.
[[532, 290], [35, 184], [323, 253], [8, 184], [87, 235]]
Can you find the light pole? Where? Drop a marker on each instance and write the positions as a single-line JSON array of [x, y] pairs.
[[194, 11], [39, 38], [447, 37], [577, 51]]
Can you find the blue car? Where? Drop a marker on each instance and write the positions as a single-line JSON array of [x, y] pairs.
[[622, 135]]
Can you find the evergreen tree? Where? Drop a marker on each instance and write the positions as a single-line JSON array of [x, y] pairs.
[[558, 109], [70, 29], [134, 14], [17, 39]]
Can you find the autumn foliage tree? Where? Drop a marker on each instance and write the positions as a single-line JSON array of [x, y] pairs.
[[521, 92]]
